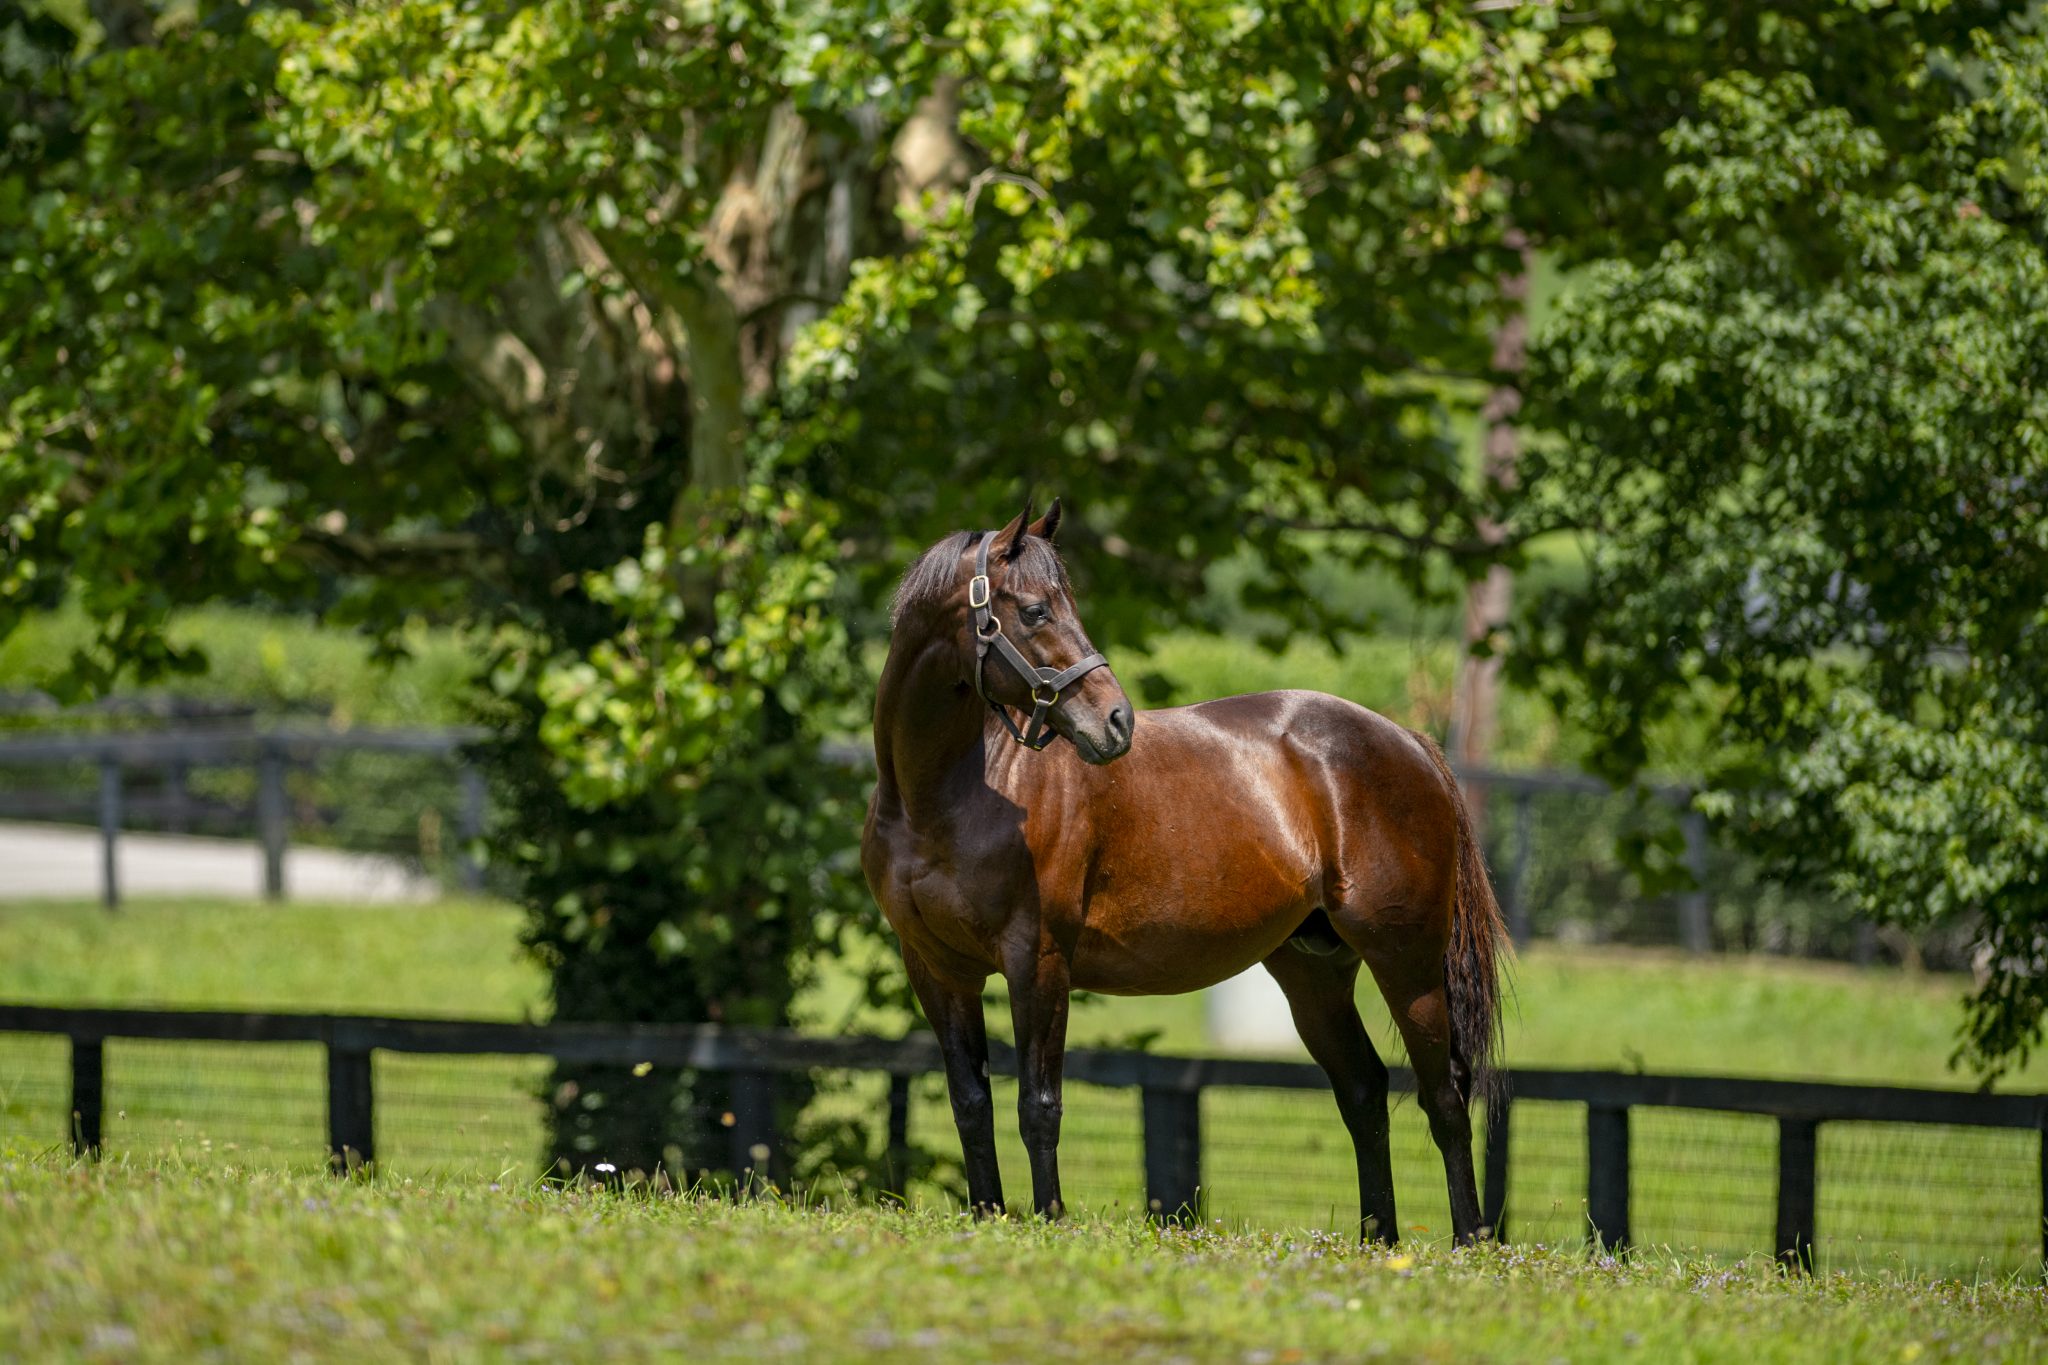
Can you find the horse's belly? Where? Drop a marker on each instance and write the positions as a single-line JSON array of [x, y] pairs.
[[1167, 946]]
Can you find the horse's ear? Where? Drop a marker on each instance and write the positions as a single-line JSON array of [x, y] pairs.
[[1011, 537], [1047, 526]]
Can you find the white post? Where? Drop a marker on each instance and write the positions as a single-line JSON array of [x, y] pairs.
[[1248, 1013]]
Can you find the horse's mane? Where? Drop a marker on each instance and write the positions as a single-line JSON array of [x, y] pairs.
[[936, 573]]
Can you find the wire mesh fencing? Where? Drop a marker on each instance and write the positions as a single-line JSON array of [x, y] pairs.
[[254, 1104], [35, 1090], [463, 1117], [1547, 1175], [1900, 1196], [1929, 1197]]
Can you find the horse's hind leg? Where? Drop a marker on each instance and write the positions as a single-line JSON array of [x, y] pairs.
[[963, 1038], [1320, 995], [1422, 1012]]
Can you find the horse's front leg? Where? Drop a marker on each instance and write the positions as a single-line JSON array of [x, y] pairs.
[[1038, 1008], [956, 1017]]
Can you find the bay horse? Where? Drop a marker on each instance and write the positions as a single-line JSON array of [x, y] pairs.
[[1161, 852]]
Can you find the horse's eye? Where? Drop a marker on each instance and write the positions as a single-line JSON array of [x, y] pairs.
[[1036, 614]]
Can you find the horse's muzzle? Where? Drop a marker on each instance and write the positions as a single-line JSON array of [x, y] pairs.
[[1111, 741]]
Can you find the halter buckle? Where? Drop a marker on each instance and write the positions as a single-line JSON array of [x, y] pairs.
[[1039, 698], [980, 599]]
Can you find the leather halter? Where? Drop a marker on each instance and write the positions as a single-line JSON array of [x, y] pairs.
[[1050, 682]]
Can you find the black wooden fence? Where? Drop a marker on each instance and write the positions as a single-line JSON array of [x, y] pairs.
[[271, 754], [1170, 1089]]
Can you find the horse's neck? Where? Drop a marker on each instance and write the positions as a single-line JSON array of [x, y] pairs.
[[927, 724]]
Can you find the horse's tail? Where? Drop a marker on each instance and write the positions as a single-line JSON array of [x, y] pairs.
[[1474, 960]]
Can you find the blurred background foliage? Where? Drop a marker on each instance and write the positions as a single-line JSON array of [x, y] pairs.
[[600, 364]]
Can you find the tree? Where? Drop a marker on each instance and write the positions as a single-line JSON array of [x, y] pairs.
[[1222, 277], [1795, 410], [619, 332], [251, 355]]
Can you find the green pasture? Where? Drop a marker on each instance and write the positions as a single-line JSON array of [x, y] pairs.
[[1920, 1199], [162, 1260], [276, 664]]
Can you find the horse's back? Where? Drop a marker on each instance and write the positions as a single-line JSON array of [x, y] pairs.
[[1313, 725], [1341, 762]]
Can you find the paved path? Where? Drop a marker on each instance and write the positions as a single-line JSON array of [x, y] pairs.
[[64, 861]]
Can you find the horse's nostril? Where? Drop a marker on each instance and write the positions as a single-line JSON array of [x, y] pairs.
[[1120, 723]]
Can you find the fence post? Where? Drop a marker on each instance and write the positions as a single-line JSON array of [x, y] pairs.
[[1607, 1175], [351, 1116], [1518, 871], [272, 816], [1796, 1144], [88, 1094], [1695, 923], [753, 1127], [897, 1173], [1173, 1152], [110, 830], [1494, 1202], [471, 872], [177, 796]]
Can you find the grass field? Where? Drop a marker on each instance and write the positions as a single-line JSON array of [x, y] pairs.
[[169, 1262], [275, 663], [1274, 1159]]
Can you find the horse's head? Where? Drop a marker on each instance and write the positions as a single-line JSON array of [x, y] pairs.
[[1019, 633]]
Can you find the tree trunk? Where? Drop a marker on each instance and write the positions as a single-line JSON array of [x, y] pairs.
[[1475, 697], [793, 215]]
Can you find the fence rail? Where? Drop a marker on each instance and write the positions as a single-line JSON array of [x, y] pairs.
[[1170, 1089]]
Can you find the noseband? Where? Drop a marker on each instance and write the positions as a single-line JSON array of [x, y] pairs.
[[1045, 693]]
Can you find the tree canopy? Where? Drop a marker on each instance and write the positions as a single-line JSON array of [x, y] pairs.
[[404, 269]]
